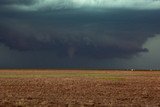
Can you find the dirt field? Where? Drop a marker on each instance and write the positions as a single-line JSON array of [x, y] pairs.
[[79, 88]]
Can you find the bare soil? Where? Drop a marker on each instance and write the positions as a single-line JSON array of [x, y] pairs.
[[79, 88]]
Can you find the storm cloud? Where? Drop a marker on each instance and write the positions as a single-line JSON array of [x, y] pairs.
[[74, 4], [79, 29]]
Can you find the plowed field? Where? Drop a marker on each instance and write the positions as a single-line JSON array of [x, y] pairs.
[[79, 88]]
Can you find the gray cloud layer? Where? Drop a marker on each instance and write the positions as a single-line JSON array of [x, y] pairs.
[[73, 4]]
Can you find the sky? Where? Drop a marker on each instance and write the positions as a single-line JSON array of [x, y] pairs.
[[110, 34]]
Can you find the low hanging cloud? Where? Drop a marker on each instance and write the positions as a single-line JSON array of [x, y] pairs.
[[69, 31], [80, 35]]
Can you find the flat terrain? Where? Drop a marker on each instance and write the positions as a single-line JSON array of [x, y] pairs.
[[79, 88]]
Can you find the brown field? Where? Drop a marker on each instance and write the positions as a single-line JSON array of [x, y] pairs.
[[79, 88]]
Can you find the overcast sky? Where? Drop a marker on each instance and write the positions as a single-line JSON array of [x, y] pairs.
[[113, 34]]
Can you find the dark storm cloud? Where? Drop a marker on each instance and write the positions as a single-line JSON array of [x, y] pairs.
[[8, 2], [93, 33], [4, 4]]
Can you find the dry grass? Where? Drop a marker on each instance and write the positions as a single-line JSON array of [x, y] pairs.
[[79, 88]]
